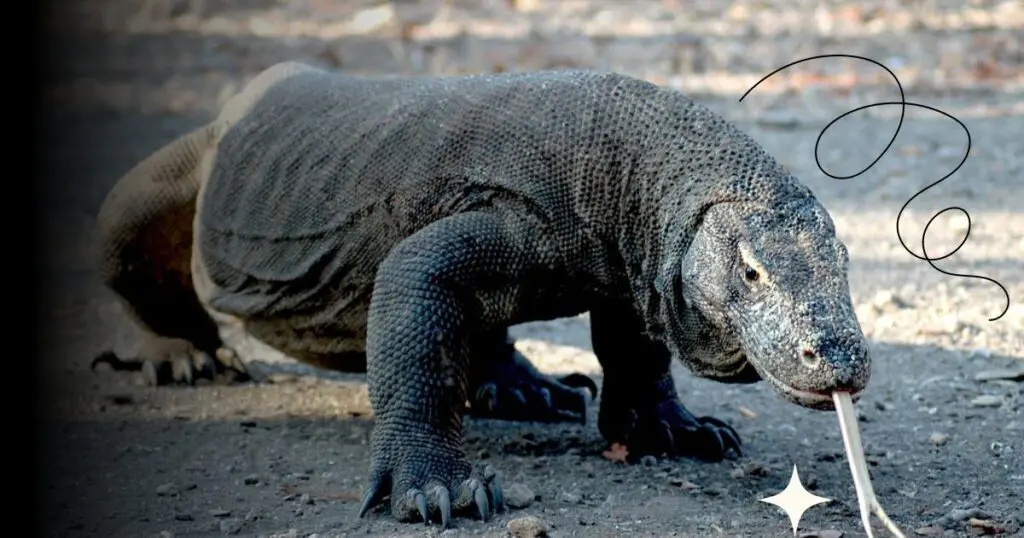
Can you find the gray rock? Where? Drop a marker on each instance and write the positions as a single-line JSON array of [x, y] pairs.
[[230, 526], [519, 496], [167, 490], [571, 497], [987, 400]]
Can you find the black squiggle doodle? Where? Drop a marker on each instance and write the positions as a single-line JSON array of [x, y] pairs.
[[903, 104]]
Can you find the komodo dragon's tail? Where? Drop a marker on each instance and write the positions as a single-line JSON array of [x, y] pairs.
[[144, 241]]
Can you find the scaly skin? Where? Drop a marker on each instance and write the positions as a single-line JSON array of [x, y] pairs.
[[401, 226]]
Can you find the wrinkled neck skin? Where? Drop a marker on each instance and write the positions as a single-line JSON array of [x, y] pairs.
[[700, 202], [691, 326]]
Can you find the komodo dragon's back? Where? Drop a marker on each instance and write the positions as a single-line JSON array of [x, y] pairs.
[[332, 170]]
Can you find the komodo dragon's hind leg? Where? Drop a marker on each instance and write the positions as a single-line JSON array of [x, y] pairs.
[[506, 385], [144, 236]]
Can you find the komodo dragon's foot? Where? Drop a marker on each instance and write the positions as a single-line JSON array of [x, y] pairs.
[[509, 387], [177, 362], [659, 424], [427, 477]]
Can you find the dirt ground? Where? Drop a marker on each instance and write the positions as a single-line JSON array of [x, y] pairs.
[[942, 419]]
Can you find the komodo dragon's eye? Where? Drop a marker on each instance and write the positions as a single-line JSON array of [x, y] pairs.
[[750, 273]]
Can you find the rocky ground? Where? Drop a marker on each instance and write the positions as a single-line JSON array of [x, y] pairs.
[[942, 420]]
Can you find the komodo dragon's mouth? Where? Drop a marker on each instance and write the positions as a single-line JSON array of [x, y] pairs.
[[811, 399]]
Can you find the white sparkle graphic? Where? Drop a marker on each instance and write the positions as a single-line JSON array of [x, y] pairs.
[[795, 500]]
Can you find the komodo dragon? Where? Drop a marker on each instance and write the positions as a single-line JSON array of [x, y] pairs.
[[401, 225]]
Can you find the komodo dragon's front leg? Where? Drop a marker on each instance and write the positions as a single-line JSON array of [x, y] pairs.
[[434, 295], [639, 404]]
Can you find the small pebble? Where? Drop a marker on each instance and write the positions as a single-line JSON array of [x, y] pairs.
[[252, 480], [683, 483], [754, 468], [938, 439], [519, 496], [230, 526], [167, 490], [649, 461], [305, 499], [987, 400], [571, 497], [527, 527], [183, 517], [888, 301], [220, 512]]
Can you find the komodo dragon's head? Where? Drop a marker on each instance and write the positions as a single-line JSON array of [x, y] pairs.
[[768, 288]]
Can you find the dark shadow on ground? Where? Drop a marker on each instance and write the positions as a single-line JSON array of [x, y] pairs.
[[107, 475]]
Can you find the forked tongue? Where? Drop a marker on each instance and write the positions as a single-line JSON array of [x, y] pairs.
[[866, 499]]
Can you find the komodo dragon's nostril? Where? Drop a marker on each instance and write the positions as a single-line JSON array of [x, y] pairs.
[[810, 359]]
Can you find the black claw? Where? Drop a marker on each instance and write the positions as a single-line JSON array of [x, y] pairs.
[[497, 495], [580, 381], [732, 441], [181, 371], [545, 396], [715, 449], [670, 441], [488, 393], [480, 497], [444, 505], [235, 368], [371, 496], [421, 505], [150, 373], [204, 365], [517, 395]]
